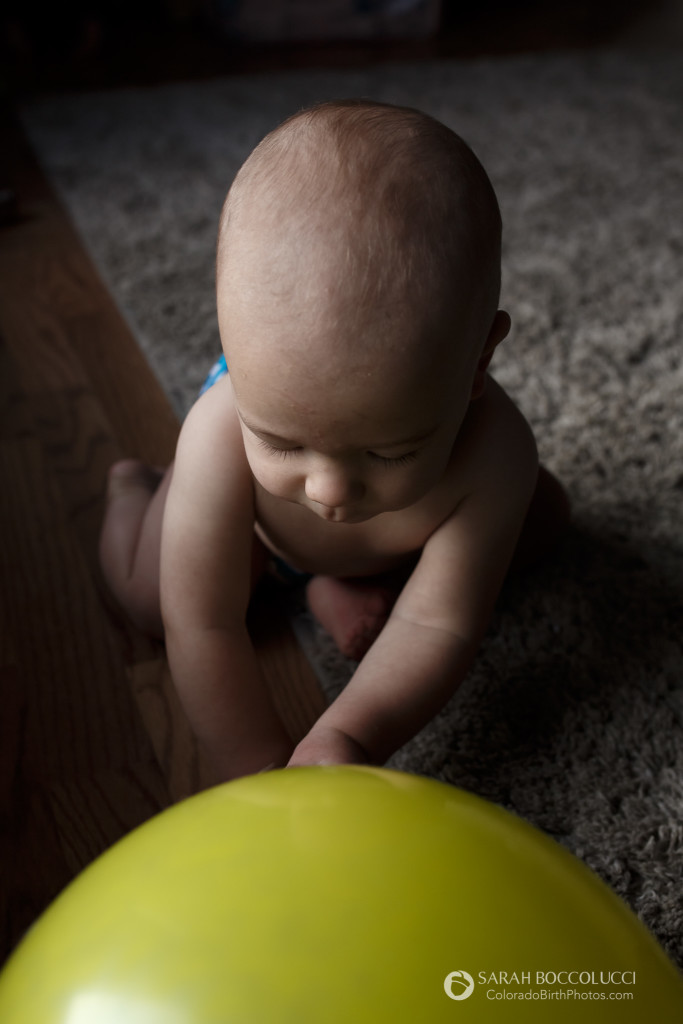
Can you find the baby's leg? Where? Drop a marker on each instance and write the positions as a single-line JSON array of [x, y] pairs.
[[130, 541]]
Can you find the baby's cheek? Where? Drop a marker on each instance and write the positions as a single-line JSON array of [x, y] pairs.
[[397, 494], [277, 481], [260, 470], [421, 482]]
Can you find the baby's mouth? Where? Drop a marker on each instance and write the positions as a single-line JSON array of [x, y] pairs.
[[336, 515], [341, 515]]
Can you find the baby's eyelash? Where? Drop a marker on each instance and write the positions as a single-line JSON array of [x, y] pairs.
[[398, 460], [284, 453], [281, 453]]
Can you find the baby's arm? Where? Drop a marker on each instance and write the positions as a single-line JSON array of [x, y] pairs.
[[436, 626], [205, 587]]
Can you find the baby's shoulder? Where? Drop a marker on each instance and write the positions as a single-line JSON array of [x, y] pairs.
[[212, 423], [210, 453], [497, 441]]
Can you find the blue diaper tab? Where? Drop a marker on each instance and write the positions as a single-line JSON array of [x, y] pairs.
[[218, 370]]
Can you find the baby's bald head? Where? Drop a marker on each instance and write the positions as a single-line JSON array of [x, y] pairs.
[[363, 215]]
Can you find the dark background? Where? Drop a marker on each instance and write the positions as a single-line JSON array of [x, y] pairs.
[[83, 44]]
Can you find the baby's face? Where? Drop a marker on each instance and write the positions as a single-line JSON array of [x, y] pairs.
[[346, 442], [349, 397]]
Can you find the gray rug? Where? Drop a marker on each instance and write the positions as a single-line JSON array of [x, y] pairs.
[[573, 714]]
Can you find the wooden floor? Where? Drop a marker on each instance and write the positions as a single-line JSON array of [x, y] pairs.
[[92, 740]]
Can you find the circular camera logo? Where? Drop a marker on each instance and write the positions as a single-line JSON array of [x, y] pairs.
[[459, 985]]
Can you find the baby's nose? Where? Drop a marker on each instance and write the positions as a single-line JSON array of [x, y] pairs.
[[333, 486]]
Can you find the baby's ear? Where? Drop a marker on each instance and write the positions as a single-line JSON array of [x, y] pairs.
[[500, 328]]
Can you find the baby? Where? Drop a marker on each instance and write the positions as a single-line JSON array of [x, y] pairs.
[[357, 437]]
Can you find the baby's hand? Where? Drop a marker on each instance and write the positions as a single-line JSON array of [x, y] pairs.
[[327, 747]]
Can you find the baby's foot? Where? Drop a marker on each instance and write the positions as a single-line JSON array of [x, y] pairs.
[[352, 611]]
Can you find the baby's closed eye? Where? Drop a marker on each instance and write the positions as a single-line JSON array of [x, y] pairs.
[[388, 461], [393, 460], [281, 453]]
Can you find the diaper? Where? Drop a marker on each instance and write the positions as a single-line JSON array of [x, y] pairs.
[[218, 370]]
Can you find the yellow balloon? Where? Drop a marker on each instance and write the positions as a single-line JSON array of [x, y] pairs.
[[337, 896]]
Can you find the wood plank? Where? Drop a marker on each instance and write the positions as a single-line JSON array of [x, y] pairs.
[[92, 813], [126, 388], [120, 379], [92, 737], [34, 869], [59, 320], [82, 720]]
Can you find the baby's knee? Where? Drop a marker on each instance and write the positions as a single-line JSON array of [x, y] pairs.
[[140, 598], [136, 591]]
